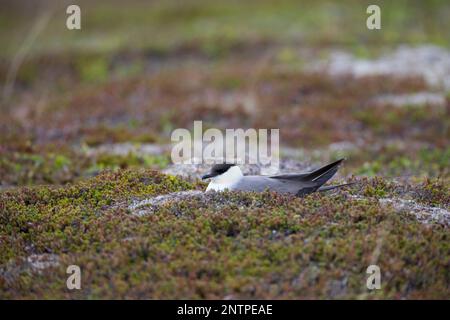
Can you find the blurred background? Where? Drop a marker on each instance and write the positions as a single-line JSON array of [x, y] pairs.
[[108, 96]]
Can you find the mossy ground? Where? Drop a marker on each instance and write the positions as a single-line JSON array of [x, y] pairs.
[[135, 75], [258, 246]]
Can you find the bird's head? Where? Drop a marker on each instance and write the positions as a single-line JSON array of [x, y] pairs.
[[217, 170]]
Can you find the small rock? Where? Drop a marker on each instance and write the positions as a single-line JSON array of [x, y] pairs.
[[415, 99], [39, 262], [432, 63]]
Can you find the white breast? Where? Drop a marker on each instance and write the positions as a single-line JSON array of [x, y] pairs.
[[218, 187], [226, 180]]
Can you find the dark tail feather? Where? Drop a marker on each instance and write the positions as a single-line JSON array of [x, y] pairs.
[[328, 188], [323, 174], [318, 177]]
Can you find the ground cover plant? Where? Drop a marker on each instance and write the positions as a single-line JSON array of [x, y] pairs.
[[85, 128]]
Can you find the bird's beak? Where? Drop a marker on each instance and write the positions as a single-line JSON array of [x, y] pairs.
[[206, 176]]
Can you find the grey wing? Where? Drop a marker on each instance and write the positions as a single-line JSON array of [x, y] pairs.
[[317, 177], [290, 176], [298, 184], [260, 184]]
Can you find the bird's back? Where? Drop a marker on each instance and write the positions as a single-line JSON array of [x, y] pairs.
[[298, 184], [260, 184]]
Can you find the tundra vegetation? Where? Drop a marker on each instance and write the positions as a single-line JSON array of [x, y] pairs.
[[84, 134]]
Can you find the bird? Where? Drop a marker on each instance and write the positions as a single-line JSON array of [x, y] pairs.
[[228, 176]]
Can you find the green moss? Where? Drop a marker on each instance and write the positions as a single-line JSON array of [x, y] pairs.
[[434, 192], [92, 68], [26, 168], [243, 245], [212, 24], [369, 168], [61, 161], [107, 161], [392, 160]]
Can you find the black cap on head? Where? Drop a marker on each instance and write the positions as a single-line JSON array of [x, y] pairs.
[[218, 169]]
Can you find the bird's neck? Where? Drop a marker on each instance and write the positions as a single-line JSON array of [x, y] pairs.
[[226, 180]]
